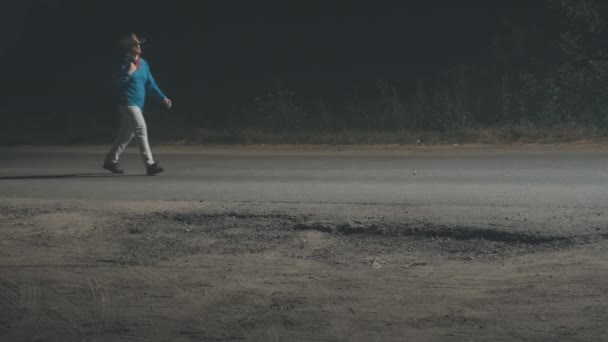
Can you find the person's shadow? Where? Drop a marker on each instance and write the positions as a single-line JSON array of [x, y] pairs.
[[66, 176]]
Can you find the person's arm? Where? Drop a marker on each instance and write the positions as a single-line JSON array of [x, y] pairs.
[[122, 78], [153, 87], [125, 69]]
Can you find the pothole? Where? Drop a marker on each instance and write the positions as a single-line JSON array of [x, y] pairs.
[[165, 235], [196, 217], [459, 233], [466, 234]]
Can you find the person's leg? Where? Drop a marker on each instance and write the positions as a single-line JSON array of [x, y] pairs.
[[124, 136], [141, 135]]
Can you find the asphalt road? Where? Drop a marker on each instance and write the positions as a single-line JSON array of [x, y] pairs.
[[534, 177]]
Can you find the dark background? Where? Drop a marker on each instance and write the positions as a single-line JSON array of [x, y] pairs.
[[231, 63]]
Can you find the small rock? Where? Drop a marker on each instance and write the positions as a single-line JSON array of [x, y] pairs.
[[378, 263], [415, 263]]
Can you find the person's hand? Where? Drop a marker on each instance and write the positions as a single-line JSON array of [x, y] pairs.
[[167, 102], [132, 68]]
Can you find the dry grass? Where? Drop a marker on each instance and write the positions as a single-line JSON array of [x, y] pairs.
[[530, 133], [505, 134]]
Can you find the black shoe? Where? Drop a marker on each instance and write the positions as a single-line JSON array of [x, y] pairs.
[[112, 167], [154, 169]]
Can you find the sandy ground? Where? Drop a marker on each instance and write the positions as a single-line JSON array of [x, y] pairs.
[[212, 271]]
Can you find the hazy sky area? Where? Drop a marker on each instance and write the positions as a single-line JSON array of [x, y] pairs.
[[60, 52]]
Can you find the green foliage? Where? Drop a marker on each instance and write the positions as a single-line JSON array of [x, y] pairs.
[[278, 110], [576, 87], [393, 114], [549, 71]]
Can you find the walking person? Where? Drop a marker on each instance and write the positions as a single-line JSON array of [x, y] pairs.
[[133, 81]]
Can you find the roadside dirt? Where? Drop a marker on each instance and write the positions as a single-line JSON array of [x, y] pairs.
[[166, 271]]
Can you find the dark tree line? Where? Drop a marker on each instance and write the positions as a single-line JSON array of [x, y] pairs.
[[546, 71]]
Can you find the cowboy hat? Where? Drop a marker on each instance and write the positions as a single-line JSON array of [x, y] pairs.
[[131, 40]]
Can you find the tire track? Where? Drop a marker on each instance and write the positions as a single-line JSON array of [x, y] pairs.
[[31, 302], [353, 323], [43, 311], [320, 291], [106, 305], [9, 302], [272, 335], [30, 307], [384, 300], [266, 330], [244, 282], [333, 306], [129, 337], [61, 315], [256, 298], [154, 279], [266, 333], [306, 336]]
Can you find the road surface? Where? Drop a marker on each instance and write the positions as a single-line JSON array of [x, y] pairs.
[[532, 177]]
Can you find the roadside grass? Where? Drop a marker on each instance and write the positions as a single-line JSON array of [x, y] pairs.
[[505, 134], [525, 133]]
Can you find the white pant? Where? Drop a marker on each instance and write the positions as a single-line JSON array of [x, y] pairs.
[[132, 125]]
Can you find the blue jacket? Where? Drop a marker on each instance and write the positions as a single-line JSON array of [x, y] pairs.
[[132, 88]]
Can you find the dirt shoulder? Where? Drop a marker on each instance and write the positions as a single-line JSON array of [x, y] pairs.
[[214, 271]]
